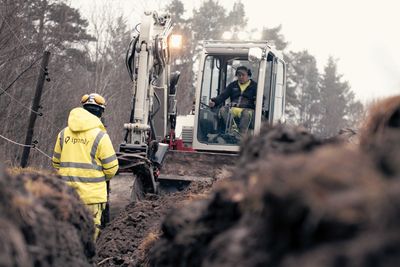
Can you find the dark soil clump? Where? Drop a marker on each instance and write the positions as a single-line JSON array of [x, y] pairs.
[[43, 222], [380, 135], [294, 200], [281, 139]]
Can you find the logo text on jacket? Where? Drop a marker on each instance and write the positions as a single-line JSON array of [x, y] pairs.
[[74, 140]]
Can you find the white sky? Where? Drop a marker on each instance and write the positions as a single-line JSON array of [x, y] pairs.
[[362, 34]]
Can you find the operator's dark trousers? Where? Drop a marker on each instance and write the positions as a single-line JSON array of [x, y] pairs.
[[245, 119]]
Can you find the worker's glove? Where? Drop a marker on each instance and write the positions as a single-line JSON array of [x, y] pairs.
[[211, 103]]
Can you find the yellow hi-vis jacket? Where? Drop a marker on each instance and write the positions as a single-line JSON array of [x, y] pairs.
[[85, 157]]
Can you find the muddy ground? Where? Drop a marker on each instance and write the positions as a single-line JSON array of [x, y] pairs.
[[134, 227]]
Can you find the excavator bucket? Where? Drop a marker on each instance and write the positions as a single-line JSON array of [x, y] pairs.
[[195, 166]]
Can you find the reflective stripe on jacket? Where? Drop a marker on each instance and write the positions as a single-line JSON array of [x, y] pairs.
[[85, 157]]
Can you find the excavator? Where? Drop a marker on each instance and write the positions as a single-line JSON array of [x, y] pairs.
[[154, 151]]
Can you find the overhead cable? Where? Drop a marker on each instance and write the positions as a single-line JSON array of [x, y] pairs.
[[19, 75], [23, 145]]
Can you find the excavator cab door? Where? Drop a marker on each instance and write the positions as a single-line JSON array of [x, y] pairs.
[[277, 100], [272, 104]]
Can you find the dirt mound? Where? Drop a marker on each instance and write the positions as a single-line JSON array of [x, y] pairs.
[[281, 139], [383, 115], [43, 222], [293, 200], [127, 239], [272, 142], [307, 205], [381, 133], [290, 211]]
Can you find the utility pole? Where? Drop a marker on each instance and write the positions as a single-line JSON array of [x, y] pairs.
[[35, 108]]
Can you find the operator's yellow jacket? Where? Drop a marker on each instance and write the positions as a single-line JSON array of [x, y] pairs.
[[85, 157]]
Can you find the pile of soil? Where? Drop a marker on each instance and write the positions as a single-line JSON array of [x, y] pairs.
[[43, 222], [289, 210], [127, 238], [380, 135], [293, 200], [296, 201]]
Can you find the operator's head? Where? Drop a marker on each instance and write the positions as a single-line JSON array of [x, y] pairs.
[[243, 74], [94, 103]]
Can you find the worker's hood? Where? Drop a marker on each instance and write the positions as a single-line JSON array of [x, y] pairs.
[[80, 120]]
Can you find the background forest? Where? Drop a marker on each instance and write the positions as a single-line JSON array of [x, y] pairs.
[[88, 55]]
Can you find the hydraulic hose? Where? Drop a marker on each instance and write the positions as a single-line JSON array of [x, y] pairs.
[[130, 56]]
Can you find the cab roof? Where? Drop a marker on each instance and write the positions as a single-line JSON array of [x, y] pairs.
[[230, 47]]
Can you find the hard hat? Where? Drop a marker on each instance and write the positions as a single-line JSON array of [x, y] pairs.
[[93, 99]]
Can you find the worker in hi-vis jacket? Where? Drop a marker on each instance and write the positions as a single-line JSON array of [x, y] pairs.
[[84, 155]]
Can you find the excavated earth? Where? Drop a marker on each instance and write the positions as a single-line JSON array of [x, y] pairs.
[[295, 203], [136, 227], [43, 222], [293, 200], [127, 238]]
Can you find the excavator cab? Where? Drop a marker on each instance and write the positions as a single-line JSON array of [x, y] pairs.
[[214, 132], [212, 144]]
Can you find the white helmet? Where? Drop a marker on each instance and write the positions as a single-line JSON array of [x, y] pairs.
[[93, 99]]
